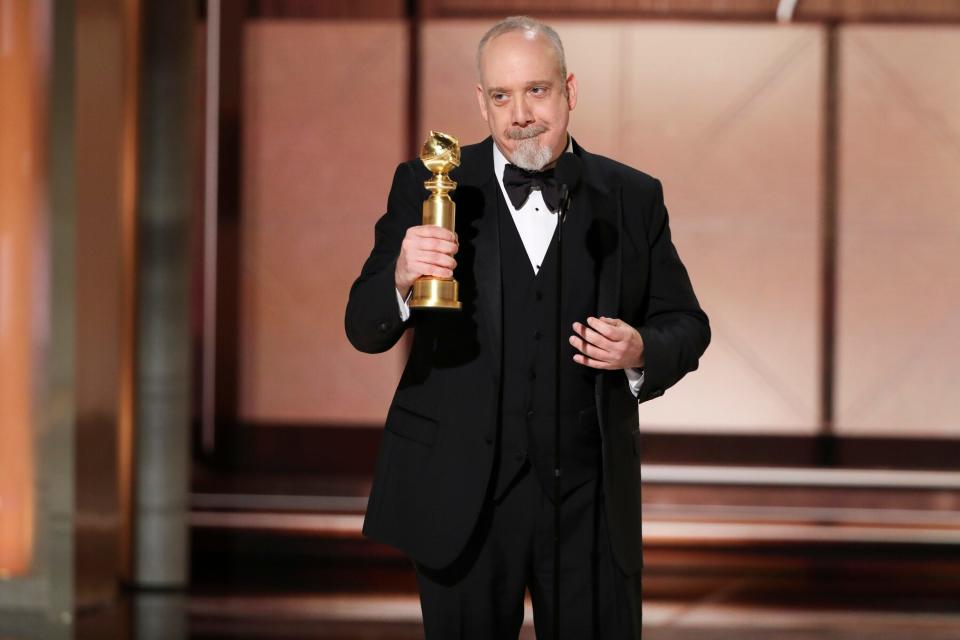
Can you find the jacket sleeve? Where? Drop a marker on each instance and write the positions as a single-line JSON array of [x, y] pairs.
[[675, 330], [373, 323]]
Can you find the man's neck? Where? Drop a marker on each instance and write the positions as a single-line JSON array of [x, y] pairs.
[[566, 145]]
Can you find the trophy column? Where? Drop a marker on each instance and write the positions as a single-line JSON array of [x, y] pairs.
[[440, 154]]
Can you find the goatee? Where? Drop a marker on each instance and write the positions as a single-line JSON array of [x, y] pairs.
[[528, 153]]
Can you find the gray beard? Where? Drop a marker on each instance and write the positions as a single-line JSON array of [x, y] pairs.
[[531, 155]]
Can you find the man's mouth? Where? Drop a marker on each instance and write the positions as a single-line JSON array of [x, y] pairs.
[[525, 134]]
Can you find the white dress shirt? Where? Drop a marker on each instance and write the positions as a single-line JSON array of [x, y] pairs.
[[536, 224]]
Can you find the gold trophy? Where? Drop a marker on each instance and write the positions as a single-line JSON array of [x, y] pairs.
[[440, 154]]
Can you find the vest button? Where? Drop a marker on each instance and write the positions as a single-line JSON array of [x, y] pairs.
[[488, 438], [537, 334], [533, 374], [530, 415], [519, 455], [539, 295]]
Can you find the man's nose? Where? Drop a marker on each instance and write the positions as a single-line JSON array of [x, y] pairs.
[[522, 116]]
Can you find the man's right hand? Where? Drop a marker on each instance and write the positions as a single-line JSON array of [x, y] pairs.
[[427, 250]]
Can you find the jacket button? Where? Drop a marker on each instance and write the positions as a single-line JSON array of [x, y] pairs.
[[533, 374], [383, 326], [536, 334], [656, 393], [519, 455], [539, 295], [530, 415]]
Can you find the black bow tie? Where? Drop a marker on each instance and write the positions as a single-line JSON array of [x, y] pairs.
[[518, 183]]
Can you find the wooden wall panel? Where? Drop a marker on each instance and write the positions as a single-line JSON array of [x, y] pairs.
[[920, 11], [742, 9], [326, 9], [899, 296], [23, 285], [324, 127], [106, 118], [931, 11]]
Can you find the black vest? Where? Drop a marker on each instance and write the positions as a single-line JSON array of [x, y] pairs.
[[529, 360]]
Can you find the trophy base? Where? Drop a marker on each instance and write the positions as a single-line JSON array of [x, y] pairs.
[[435, 293]]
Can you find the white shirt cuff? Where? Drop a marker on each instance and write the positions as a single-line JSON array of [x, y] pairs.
[[635, 379], [404, 307]]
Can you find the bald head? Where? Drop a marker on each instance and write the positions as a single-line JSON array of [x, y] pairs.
[[530, 29]]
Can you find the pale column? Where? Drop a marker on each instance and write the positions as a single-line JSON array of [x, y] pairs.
[[162, 443]]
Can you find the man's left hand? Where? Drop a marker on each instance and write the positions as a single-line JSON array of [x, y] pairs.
[[607, 343]]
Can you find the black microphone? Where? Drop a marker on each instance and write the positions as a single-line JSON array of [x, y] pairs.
[[567, 173]]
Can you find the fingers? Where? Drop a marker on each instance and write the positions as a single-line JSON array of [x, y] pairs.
[[589, 351], [428, 264], [433, 238], [432, 263], [591, 336], [432, 231], [590, 362], [434, 244], [433, 257], [609, 328], [428, 269], [426, 250], [590, 355], [603, 343]]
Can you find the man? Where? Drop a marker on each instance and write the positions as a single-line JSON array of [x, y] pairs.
[[464, 477]]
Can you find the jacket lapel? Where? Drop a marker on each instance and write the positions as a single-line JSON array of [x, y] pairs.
[[606, 229], [477, 215], [487, 272], [609, 219], [606, 246]]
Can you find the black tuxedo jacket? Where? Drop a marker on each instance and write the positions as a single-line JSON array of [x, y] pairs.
[[435, 457]]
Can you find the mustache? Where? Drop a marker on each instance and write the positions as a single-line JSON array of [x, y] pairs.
[[532, 131]]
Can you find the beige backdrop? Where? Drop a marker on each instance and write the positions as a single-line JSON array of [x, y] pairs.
[[899, 302], [728, 116], [324, 128]]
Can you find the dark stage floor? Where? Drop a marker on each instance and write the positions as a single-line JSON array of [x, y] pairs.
[[397, 618], [284, 559], [706, 606]]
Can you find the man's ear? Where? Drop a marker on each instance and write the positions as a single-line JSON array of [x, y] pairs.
[[481, 100], [571, 91]]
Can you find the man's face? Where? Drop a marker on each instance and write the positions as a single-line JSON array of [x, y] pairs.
[[522, 98]]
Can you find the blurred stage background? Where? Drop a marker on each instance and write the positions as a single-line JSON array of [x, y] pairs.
[[188, 188]]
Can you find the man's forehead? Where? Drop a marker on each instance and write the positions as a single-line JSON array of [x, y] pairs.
[[507, 49]]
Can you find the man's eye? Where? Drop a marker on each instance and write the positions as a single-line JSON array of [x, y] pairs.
[[539, 90], [499, 97]]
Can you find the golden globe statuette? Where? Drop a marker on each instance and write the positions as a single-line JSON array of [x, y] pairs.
[[440, 154]]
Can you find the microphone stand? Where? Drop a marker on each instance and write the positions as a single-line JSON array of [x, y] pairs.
[[561, 213]]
